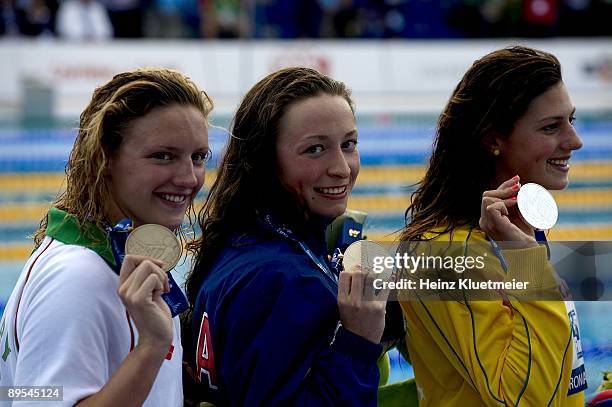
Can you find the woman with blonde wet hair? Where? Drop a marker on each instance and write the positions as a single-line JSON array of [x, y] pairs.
[[140, 154]]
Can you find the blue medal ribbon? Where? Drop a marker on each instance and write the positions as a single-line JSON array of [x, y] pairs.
[[540, 238], [288, 234], [336, 261], [118, 236], [176, 300]]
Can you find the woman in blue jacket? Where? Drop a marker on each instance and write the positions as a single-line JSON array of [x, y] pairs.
[[273, 324]]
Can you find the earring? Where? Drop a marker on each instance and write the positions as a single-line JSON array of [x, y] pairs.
[[496, 152]]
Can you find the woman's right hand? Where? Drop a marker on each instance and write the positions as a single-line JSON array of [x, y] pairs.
[[499, 217], [141, 284], [362, 308]]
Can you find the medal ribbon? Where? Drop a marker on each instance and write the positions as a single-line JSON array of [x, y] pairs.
[[288, 234], [118, 235], [540, 238]]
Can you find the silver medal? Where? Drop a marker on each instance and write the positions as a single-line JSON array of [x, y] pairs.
[[155, 241], [363, 253], [537, 206]]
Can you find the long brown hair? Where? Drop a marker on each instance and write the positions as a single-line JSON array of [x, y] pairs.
[[113, 106], [247, 181], [495, 91]]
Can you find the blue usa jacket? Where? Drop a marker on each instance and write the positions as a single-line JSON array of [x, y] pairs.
[[266, 321]]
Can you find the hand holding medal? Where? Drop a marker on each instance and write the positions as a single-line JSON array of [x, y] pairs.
[[141, 284], [160, 243], [370, 256], [361, 307], [146, 285], [533, 206]]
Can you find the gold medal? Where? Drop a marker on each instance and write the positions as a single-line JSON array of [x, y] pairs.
[[155, 241]]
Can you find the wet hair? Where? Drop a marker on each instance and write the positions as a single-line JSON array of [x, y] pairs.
[[247, 180], [102, 127], [492, 95]]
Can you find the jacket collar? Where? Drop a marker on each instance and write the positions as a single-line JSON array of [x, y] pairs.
[[64, 227]]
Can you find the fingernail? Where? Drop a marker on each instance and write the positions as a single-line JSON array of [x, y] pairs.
[[516, 187], [513, 198], [515, 177]]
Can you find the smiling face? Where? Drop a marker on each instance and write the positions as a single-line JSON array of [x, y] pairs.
[[316, 153], [541, 143], [159, 167]]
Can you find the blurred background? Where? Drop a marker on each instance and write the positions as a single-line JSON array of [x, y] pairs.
[[402, 59], [291, 19]]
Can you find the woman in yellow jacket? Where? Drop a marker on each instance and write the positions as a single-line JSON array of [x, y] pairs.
[[509, 121]]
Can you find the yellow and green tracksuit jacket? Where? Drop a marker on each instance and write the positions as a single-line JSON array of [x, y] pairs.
[[495, 352]]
